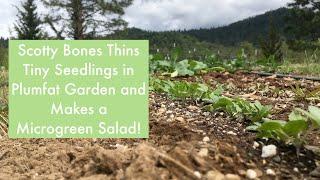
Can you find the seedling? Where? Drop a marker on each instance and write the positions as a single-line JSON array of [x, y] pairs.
[[291, 132], [255, 112]]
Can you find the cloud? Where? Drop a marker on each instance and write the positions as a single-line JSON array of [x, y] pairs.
[[162, 15], [186, 14], [7, 16]]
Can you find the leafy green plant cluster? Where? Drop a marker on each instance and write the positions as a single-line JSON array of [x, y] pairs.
[[291, 132], [184, 90], [254, 112], [175, 69]]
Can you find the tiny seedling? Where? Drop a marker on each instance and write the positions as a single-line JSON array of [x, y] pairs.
[[292, 132]]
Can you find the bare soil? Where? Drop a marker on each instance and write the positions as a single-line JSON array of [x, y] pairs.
[[186, 142]]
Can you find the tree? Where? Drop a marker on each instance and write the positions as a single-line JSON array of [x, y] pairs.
[[84, 19], [28, 23], [304, 21], [272, 44]]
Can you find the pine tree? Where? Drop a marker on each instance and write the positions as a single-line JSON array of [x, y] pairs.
[[304, 21], [84, 19], [28, 23], [271, 45]]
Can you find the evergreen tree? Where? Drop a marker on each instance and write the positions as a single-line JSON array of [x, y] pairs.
[[3, 42], [84, 19], [271, 45], [304, 21], [28, 23]]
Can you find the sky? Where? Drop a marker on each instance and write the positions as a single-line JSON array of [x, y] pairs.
[[160, 15]]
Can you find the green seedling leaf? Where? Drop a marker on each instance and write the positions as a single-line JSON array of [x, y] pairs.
[[295, 128], [294, 116], [252, 128], [315, 112], [182, 68], [197, 65], [313, 115], [271, 125]]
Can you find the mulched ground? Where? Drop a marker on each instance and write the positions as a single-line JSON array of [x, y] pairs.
[[185, 142]]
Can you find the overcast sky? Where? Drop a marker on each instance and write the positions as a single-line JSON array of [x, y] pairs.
[[162, 15]]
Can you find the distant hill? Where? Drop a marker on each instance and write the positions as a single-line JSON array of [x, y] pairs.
[[249, 29], [157, 39]]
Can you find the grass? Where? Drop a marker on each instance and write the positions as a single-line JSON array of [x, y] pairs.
[[302, 68], [4, 121]]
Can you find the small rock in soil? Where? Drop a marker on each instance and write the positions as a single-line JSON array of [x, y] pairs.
[[203, 152], [197, 174], [215, 175], [315, 173], [277, 159], [161, 110], [270, 172], [193, 108], [206, 139], [255, 145], [169, 112], [232, 133], [232, 177], [251, 174], [180, 119], [269, 151]]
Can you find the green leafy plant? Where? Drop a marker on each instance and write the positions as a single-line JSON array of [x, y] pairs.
[[254, 112], [188, 68], [313, 115], [174, 68], [184, 90], [161, 86], [291, 132]]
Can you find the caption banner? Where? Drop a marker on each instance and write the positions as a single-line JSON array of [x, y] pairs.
[[78, 89]]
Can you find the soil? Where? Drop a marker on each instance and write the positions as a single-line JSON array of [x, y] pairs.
[[186, 142]]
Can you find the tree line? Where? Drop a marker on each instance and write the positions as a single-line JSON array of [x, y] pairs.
[[297, 25]]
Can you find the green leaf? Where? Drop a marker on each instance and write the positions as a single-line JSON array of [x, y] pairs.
[[294, 116], [252, 128], [295, 128], [197, 65], [271, 125], [313, 115], [182, 68]]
